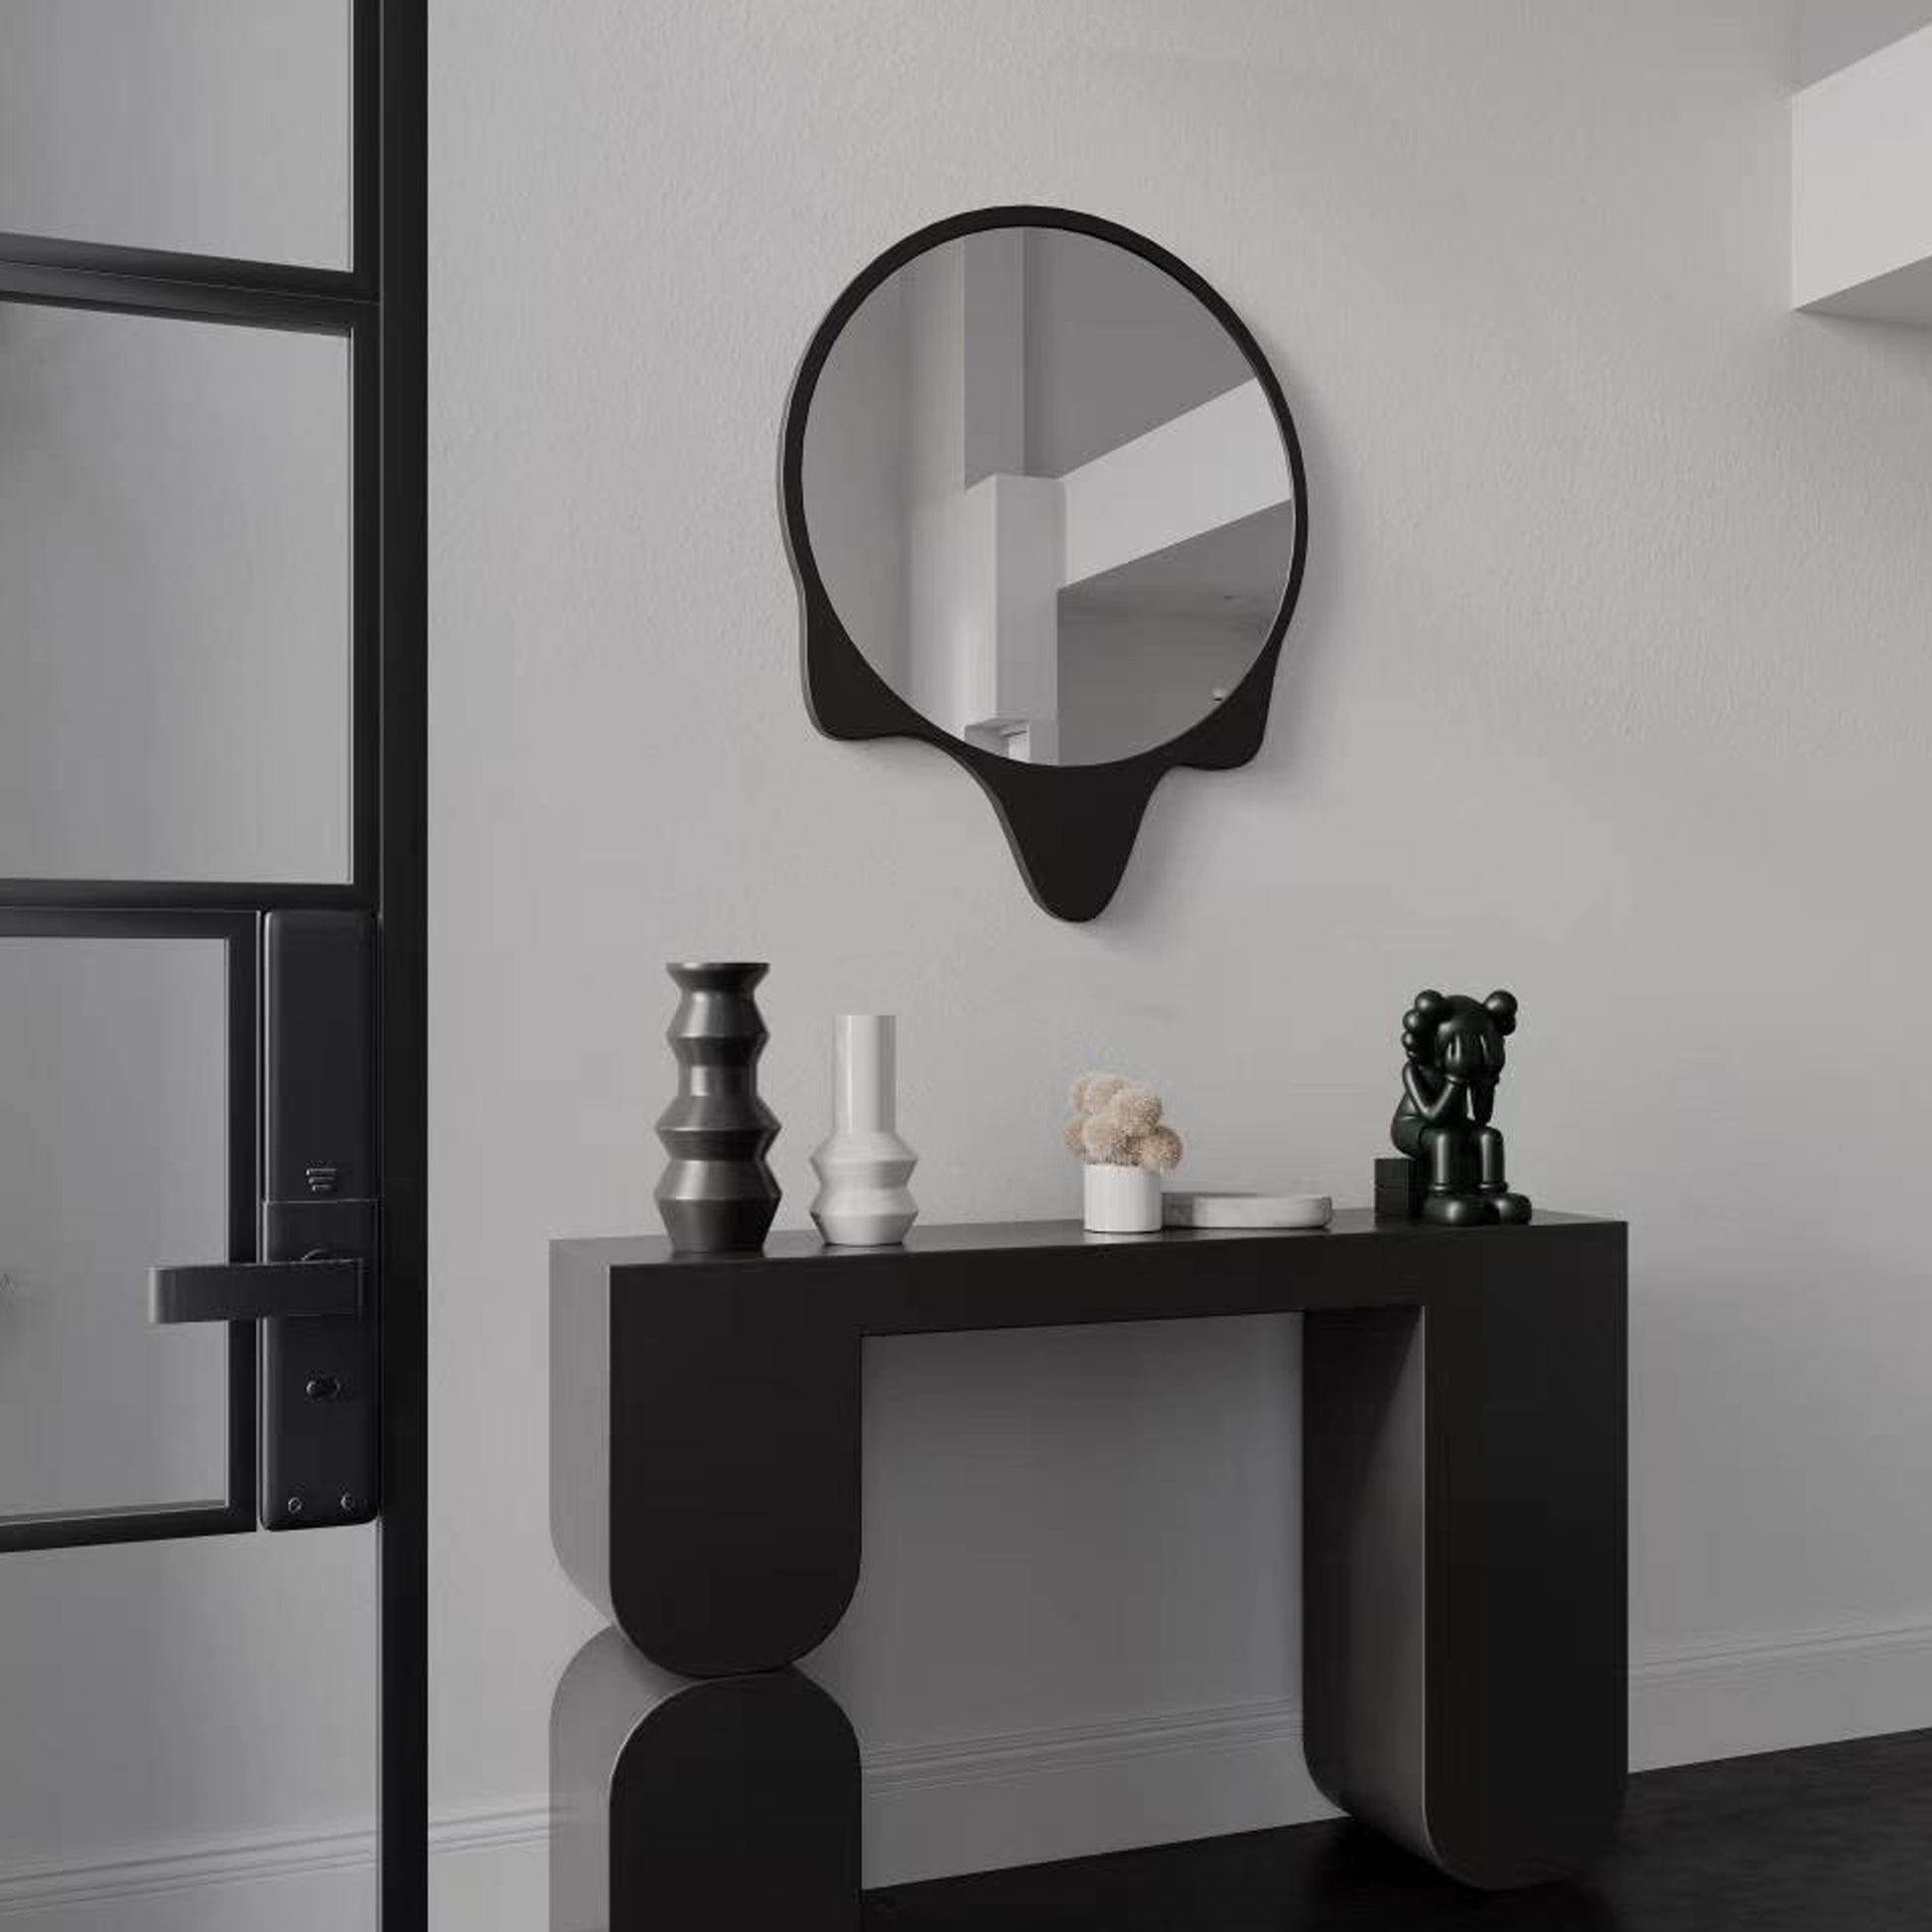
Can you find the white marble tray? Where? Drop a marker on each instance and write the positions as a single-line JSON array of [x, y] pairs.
[[1191, 1210]]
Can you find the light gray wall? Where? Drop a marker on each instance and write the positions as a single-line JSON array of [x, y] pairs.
[[1608, 684]]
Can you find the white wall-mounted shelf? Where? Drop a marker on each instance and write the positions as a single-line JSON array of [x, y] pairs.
[[1861, 188]]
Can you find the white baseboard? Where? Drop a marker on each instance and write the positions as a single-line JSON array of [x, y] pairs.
[[492, 1861], [488, 1870], [999, 1801], [932, 1811], [980, 1803], [1775, 1694]]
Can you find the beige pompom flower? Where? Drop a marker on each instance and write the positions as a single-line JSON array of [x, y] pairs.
[[1118, 1123], [1138, 1107], [1097, 1090], [1106, 1141]]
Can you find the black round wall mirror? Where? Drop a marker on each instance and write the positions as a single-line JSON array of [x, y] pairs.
[[1046, 509]]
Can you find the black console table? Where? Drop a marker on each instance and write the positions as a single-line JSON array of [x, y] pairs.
[[1464, 1544]]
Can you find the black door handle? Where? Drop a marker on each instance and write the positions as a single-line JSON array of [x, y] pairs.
[[256, 1291]]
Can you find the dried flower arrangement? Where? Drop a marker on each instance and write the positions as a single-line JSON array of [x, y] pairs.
[[1117, 1124]]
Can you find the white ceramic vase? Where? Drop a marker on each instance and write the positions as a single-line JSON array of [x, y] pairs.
[[863, 1166], [1122, 1200]]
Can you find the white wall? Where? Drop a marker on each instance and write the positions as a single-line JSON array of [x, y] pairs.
[[1608, 684]]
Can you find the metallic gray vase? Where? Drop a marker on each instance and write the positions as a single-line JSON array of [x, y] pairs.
[[718, 1196]]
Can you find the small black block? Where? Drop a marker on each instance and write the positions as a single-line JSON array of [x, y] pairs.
[[1399, 1185]]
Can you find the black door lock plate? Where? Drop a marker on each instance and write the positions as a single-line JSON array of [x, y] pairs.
[[318, 1381]]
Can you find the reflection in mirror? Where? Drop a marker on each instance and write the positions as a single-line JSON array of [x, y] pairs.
[[205, 127], [174, 663], [1048, 498]]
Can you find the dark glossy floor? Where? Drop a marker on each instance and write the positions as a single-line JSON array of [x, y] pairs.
[[1838, 1839]]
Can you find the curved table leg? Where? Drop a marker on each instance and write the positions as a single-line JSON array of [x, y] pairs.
[[1464, 1572], [725, 1801]]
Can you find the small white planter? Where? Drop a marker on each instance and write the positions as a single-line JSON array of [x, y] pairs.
[[1122, 1200]]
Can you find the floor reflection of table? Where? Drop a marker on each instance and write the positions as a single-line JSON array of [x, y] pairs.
[[1463, 1585]]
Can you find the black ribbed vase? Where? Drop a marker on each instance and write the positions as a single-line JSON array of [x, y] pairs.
[[718, 1196]]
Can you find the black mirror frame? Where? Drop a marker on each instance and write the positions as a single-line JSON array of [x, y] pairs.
[[1071, 827]]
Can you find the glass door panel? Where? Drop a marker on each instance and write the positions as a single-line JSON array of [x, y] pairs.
[[189, 1721], [206, 127], [188, 1735], [115, 1094], [211, 663], [176, 649]]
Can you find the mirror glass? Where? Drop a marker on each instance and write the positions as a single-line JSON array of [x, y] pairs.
[[1047, 496]]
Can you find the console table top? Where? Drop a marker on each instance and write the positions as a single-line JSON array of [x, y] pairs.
[[1045, 1274], [802, 1246]]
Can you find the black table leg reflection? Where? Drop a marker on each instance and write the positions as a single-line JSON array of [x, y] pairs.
[[1352, 1876], [729, 1801], [1334, 1876]]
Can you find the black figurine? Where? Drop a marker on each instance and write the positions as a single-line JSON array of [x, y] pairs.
[[1455, 1045]]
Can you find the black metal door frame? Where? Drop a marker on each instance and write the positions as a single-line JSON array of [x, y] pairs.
[[378, 304]]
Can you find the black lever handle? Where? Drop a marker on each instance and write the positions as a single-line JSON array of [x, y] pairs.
[[256, 1291]]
